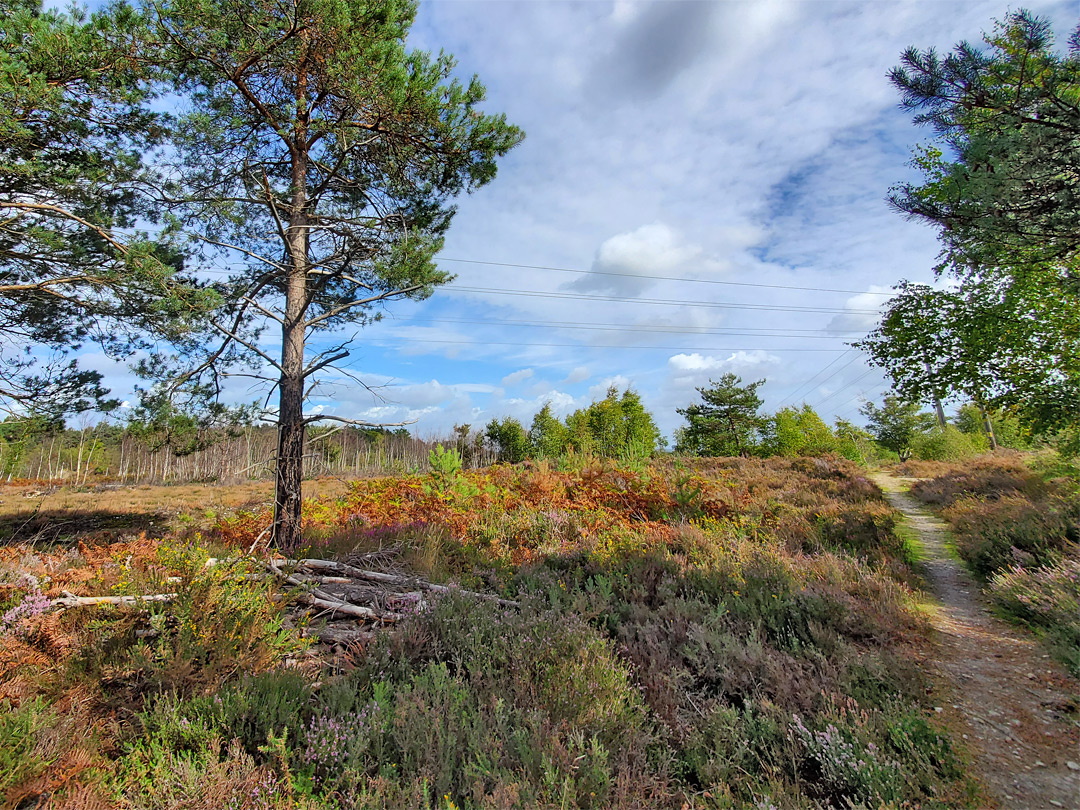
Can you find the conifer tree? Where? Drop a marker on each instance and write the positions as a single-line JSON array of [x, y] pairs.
[[74, 130], [319, 159]]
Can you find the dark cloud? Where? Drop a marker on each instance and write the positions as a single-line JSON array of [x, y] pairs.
[[655, 47]]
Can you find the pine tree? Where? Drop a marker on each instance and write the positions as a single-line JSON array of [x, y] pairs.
[[320, 159]]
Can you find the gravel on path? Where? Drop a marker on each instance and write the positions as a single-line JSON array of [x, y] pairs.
[[1016, 704]]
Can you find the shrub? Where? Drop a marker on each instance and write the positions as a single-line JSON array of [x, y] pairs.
[[466, 703], [20, 759], [1046, 598], [1013, 530], [223, 620], [257, 708], [987, 478], [947, 445]]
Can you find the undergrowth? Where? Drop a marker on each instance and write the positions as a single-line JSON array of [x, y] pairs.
[[718, 634]]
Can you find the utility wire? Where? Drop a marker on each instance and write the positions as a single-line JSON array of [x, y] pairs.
[[805, 388], [664, 278], [647, 328], [661, 301], [636, 347], [840, 390]]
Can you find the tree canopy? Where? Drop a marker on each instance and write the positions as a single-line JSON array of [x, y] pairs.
[[319, 160], [1001, 184], [617, 426], [74, 130], [897, 423], [725, 422]]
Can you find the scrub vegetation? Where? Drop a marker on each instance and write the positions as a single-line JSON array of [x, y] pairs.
[[709, 633]]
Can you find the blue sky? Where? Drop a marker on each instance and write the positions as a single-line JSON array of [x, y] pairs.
[[728, 143]]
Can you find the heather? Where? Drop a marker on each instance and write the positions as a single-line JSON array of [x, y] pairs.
[[1018, 530], [708, 633]]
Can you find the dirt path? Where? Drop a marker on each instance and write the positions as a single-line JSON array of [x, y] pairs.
[[997, 683]]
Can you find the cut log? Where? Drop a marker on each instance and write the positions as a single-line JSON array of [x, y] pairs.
[[340, 635]]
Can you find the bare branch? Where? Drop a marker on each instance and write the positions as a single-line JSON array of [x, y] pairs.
[[325, 417], [359, 302]]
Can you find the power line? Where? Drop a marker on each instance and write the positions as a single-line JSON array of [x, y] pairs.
[[664, 278], [636, 347], [856, 381], [808, 385], [647, 328], [660, 301], [847, 412]]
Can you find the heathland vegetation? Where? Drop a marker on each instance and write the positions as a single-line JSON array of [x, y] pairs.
[[561, 615], [726, 632]]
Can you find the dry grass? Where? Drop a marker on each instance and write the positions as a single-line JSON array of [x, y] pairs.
[[105, 512]]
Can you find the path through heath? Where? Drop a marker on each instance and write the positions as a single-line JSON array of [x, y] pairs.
[[1016, 706]]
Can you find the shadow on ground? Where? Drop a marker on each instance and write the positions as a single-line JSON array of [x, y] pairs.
[[70, 525]]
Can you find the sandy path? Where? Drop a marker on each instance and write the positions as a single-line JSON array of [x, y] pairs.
[[997, 683]]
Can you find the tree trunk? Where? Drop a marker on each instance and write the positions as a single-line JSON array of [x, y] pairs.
[[290, 464], [937, 402], [291, 428], [988, 427], [286, 533]]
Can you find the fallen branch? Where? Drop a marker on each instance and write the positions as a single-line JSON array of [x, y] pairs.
[[336, 635], [70, 600], [391, 579], [321, 599]]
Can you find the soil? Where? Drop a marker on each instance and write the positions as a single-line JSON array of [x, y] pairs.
[[1016, 708]]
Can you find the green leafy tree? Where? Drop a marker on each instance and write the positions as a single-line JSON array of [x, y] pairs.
[[1005, 428], [948, 444], [937, 344], [643, 437], [1000, 184], [897, 423], [797, 432], [617, 426], [854, 443], [159, 424], [726, 422], [547, 435], [319, 159], [73, 131], [510, 439]]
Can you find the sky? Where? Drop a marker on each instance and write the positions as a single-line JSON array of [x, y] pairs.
[[701, 190]]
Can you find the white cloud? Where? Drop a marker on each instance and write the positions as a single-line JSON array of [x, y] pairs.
[[863, 311], [619, 382], [735, 362], [653, 249], [517, 377], [578, 374]]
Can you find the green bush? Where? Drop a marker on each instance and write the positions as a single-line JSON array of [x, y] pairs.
[[19, 728], [465, 703], [947, 445], [256, 708], [797, 432]]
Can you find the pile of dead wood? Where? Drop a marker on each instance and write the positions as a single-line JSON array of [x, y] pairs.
[[343, 601], [339, 590]]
